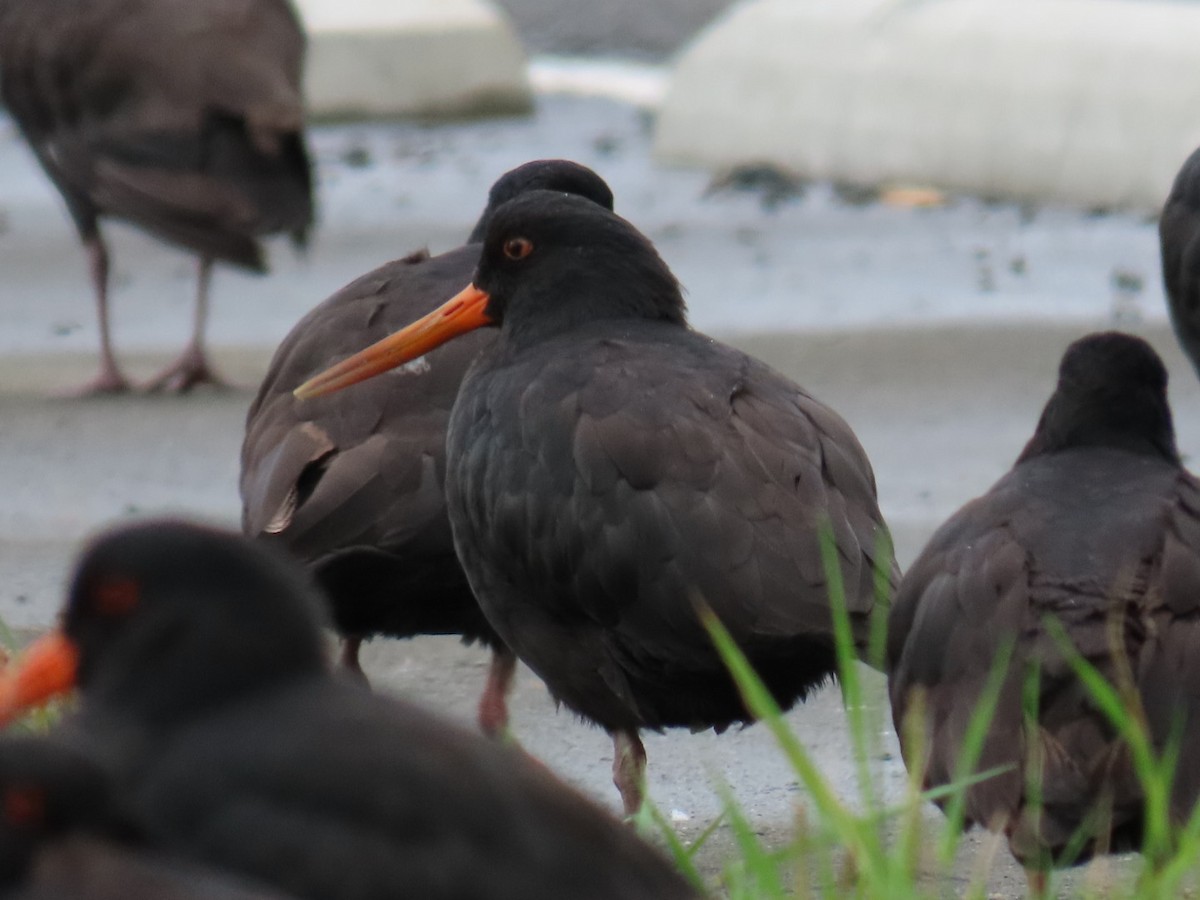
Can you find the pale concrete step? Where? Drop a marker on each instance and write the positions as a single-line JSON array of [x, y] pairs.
[[392, 58], [1091, 102]]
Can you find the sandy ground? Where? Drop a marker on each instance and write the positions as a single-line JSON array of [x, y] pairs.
[[884, 313]]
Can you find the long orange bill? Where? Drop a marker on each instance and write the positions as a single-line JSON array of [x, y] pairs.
[[461, 313], [46, 669]]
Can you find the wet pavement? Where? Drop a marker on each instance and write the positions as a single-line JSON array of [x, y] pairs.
[[935, 332]]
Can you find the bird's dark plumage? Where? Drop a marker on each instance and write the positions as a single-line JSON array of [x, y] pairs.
[[64, 837], [1098, 526], [353, 484], [244, 753], [183, 118], [1179, 241], [608, 468]]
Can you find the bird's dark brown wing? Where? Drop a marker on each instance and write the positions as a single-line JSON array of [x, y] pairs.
[[184, 118], [353, 483], [1106, 542], [364, 467], [332, 792], [1179, 239], [620, 478]]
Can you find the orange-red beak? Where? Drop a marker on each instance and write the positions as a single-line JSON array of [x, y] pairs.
[[461, 313], [46, 669]]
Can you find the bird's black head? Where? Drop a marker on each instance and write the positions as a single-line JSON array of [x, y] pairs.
[[553, 261], [165, 619], [542, 175], [48, 790], [1112, 392]]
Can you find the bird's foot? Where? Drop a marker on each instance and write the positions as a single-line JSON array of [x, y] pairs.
[[188, 371], [108, 382]]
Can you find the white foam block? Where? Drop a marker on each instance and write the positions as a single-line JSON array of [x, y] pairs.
[[1091, 102], [392, 58]]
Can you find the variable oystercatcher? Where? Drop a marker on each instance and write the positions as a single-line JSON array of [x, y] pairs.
[[608, 468], [199, 658], [1097, 526], [1179, 240], [353, 484], [63, 837], [183, 118]]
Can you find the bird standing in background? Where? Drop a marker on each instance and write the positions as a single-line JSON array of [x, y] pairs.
[[1097, 526], [182, 117], [354, 484], [608, 467]]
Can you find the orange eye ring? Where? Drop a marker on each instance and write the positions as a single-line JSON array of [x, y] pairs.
[[518, 248]]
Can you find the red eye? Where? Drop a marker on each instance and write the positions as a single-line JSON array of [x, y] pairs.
[[24, 805], [518, 248], [115, 597]]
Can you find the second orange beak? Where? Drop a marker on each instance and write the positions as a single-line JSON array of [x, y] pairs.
[[461, 313], [46, 669]]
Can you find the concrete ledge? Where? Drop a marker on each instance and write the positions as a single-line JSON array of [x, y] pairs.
[[1090, 102], [394, 58]]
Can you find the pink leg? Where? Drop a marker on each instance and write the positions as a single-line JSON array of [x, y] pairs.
[[350, 648], [493, 705], [191, 367], [629, 769], [109, 380]]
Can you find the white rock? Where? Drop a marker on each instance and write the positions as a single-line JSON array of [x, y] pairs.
[[1092, 102], [391, 58]]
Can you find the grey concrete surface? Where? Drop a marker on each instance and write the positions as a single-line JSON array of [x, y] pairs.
[[1089, 102], [934, 332]]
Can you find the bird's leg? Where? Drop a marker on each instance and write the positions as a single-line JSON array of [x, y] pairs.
[[493, 705], [1039, 883], [629, 769], [350, 663], [109, 380], [191, 367]]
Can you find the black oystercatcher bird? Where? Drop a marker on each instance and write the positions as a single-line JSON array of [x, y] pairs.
[[1179, 240], [608, 467], [199, 658], [353, 484], [1097, 526], [63, 837], [182, 117]]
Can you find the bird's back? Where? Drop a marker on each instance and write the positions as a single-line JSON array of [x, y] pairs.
[[1179, 239], [331, 791], [1106, 542], [603, 484]]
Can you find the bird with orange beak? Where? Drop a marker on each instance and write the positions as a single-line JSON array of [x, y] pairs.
[[207, 699], [608, 466]]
